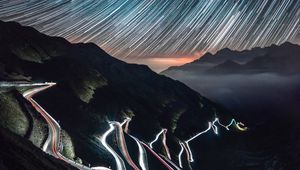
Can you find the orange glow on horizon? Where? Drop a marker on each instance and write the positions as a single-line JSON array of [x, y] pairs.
[[160, 63]]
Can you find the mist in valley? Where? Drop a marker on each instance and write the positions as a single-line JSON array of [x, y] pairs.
[[253, 97]]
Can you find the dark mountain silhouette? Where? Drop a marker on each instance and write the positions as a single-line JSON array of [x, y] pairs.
[[283, 59], [228, 54], [93, 87], [209, 60]]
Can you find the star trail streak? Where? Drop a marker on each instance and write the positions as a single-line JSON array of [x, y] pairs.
[[142, 29]]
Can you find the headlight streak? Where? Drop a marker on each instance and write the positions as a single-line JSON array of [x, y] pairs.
[[143, 161], [170, 162], [164, 141], [142, 153], [113, 125], [156, 138], [54, 128], [122, 144], [163, 132], [184, 146], [211, 125], [119, 162], [158, 157], [239, 125], [180, 154], [126, 123]]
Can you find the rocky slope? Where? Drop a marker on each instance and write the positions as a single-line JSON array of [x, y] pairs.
[[17, 153]]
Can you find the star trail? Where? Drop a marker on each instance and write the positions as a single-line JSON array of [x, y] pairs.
[[160, 31]]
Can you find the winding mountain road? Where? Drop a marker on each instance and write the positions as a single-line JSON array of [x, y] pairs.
[[51, 145]]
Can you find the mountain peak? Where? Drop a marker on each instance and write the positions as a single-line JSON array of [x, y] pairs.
[[275, 58], [224, 51]]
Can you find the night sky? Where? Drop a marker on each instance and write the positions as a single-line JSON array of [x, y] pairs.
[[161, 33]]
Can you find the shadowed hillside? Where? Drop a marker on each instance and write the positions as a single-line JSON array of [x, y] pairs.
[[17, 153], [93, 87]]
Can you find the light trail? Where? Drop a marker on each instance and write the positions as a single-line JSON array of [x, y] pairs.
[[25, 84], [122, 144], [211, 126], [158, 157], [50, 145], [100, 168], [163, 132], [156, 138], [52, 142], [142, 154], [239, 125], [119, 162], [164, 141], [143, 162], [180, 154], [126, 123], [170, 162]]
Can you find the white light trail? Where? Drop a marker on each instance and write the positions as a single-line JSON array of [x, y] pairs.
[[122, 144], [113, 125], [52, 142], [170, 162], [163, 132], [180, 154], [119, 162], [211, 125], [100, 168], [142, 154], [126, 123], [156, 138], [158, 157], [143, 162]]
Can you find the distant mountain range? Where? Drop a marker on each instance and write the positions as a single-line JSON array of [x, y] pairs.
[[262, 86], [283, 59]]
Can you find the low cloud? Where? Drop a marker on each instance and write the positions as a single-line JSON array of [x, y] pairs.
[[254, 96]]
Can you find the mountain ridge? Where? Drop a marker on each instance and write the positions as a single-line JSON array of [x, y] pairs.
[[248, 59], [93, 87]]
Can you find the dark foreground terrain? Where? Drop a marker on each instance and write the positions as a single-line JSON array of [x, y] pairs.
[[17, 153], [93, 87]]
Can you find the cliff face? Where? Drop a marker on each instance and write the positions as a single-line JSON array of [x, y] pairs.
[[93, 87]]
